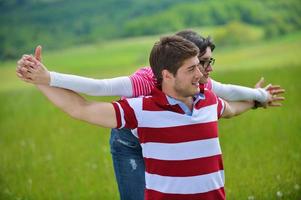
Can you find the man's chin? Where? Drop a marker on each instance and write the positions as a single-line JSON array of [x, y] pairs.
[[197, 91], [203, 81]]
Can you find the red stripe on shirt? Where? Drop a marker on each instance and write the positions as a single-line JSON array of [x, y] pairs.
[[210, 99], [129, 115], [117, 114], [218, 194], [178, 134], [184, 168]]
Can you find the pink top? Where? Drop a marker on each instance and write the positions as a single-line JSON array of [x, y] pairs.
[[143, 81]]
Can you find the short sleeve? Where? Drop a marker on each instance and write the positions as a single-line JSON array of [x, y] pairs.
[[220, 106], [125, 115], [143, 81]]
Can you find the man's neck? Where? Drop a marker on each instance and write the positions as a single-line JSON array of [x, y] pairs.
[[188, 101]]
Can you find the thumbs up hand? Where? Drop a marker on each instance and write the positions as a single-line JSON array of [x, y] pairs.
[[30, 69]]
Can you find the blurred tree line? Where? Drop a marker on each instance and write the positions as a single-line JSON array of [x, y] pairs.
[[61, 23]]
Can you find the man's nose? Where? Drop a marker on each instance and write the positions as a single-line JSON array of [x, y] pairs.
[[199, 72]]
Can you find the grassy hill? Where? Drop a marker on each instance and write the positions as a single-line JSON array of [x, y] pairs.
[[124, 56]]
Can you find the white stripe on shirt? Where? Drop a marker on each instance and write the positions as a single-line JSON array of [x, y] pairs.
[[171, 119], [181, 151], [185, 185]]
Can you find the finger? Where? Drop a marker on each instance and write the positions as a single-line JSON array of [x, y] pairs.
[[268, 86], [18, 70], [34, 64], [26, 73], [26, 80], [25, 56], [21, 62], [259, 83], [18, 66], [19, 75], [23, 70], [278, 91], [35, 61], [32, 59], [275, 104], [273, 87], [38, 53], [29, 63], [278, 99], [26, 69], [30, 70]]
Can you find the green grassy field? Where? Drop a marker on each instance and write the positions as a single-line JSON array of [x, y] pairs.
[[47, 155]]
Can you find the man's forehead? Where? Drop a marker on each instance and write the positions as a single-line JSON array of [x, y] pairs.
[[191, 61]]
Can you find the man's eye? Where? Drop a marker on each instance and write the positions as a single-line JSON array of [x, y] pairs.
[[191, 69]]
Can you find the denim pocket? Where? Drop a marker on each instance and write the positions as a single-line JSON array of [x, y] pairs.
[[123, 140], [127, 143]]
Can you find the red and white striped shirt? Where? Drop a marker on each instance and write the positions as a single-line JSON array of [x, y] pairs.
[[144, 80], [182, 153]]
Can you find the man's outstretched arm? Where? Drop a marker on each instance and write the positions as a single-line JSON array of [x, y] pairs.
[[234, 108], [99, 113]]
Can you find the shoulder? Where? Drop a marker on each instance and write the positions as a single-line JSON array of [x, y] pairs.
[[209, 94], [145, 72], [143, 80]]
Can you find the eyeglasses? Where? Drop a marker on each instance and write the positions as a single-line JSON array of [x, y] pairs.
[[205, 63]]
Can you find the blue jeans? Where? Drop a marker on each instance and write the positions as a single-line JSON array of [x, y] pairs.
[[128, 164]]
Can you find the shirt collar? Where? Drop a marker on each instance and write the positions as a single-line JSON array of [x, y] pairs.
[[172, 104]]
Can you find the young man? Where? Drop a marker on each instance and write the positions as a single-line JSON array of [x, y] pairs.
[[183, 137], [125, 148]]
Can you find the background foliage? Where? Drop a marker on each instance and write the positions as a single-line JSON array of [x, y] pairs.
[[62, 23]]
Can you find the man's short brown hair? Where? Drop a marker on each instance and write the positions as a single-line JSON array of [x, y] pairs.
[[169, 53]]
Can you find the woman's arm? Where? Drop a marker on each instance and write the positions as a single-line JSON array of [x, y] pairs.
[[138, 84], [119, 86], [239, 93]]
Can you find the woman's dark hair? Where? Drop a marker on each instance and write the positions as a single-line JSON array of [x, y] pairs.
[[201, 42]]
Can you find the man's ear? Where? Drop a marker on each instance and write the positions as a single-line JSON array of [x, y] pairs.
[[166, 75]]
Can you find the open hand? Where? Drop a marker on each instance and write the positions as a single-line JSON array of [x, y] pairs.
[[273, 91]]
